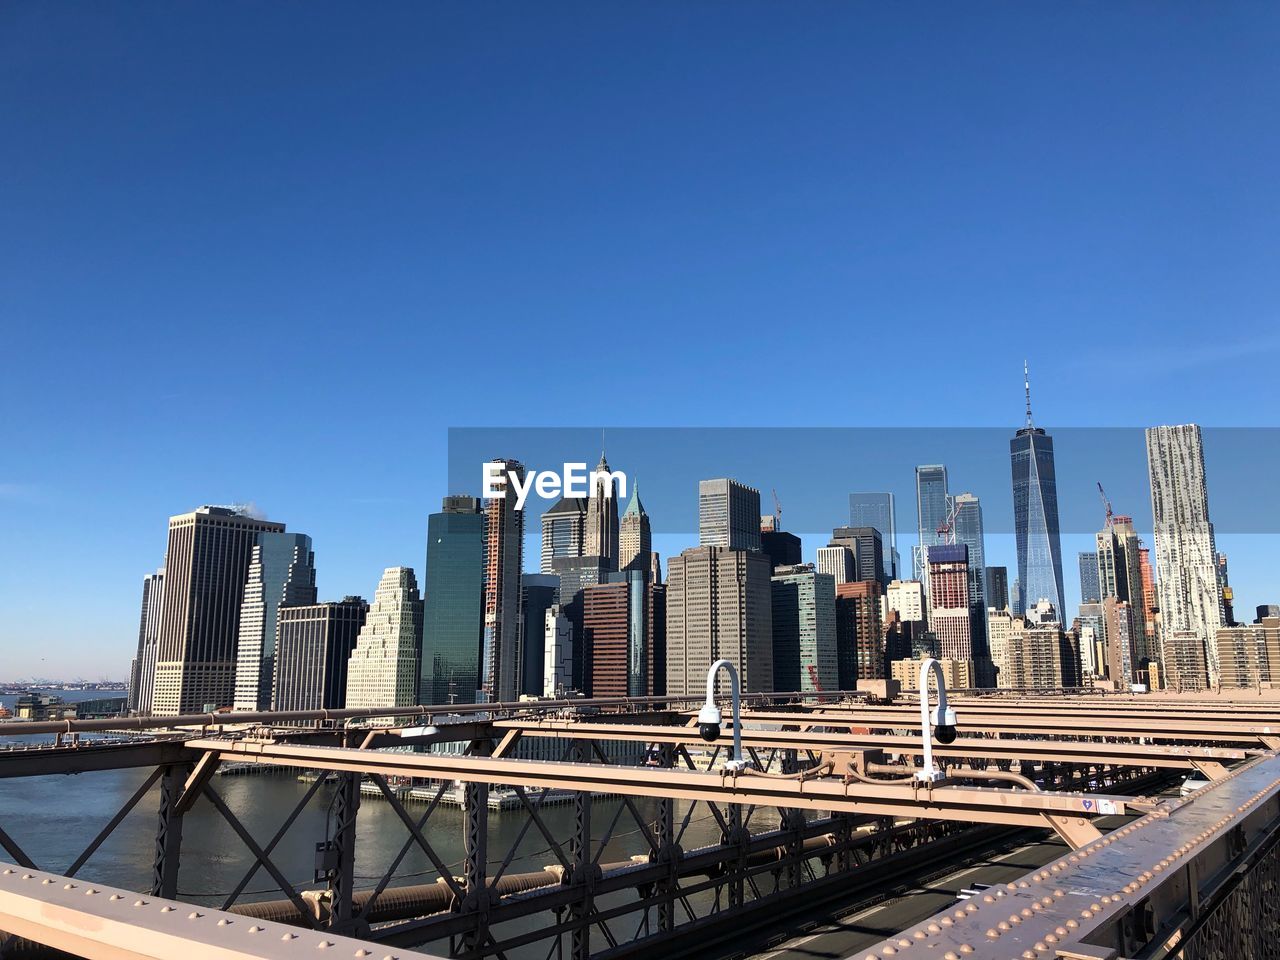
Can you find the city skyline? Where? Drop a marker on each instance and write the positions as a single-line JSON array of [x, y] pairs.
[[1043, 191]]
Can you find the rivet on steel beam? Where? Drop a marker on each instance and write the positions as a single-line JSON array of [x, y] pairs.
[[889, 951], [946, 921], [115, 896], [256, 929], [224, 922], [46, 881], [1015, 919], [324, 944], [933, 928], [139, 903], [65, 886], [1026, 911], [1004, 926], [988, 899], [8, 870], [993, 933], [166, 909], [966, 948], [194, 915], [1072, 924], [1022, 884], [1041, 946], [951, 955], [1060, 931], [904, 942], [289, 936], [920, 935]]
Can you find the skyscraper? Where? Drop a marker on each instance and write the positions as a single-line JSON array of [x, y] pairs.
[[728, 515], [868, 551], [1120, 574], [503, 563], [860, 640], [313, 649], [282, 572], [538, 593], [563, 529], [836, 561], [600, 530], [968, 530], [1089, 592], [878, 510], [1186, 556], [782, 548], [1035, 513], [931, 513], [206, 567], [635, 540], [453, 603], [1121, 641], [804, 629], [997, 584], [950, 617], [142, 674], [719, 605], [383, 668]]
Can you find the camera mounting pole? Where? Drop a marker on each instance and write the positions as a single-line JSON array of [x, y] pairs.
[[709, 718], [944, 718]]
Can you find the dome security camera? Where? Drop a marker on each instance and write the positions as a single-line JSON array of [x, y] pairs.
[[709, 722], [944, 724]]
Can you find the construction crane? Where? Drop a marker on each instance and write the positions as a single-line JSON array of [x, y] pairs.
[[777, 511], [1106, 503], [947, 528]]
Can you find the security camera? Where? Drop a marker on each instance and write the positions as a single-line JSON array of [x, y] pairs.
[[944, 724], [709, 722]]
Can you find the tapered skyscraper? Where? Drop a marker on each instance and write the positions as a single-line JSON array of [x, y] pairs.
[[1035, 513], [635, 539], [931, 513], [282, 572], [383, 669], [1186, 555], [600, 532]]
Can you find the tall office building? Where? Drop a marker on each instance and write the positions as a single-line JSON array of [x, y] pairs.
[[719, 606], [282, 572], [861, 649], [538, 593], [931, 513], [383, 668], [1017, 602], [453, 603], [313, 648], [557, 659], [804, 629], [623, 632], [1121, 637], [868, 551], [1150, 610], [1120, 574], [1089, 591], [635, 539], [206, 567], [836, 561], [782, 548], [600, 531], [1186, 556], [1035, 655], [878, 510], [949, 613], [142, 674], [503, 563], [728, 515], [997, 584], [1264, 610], [576, 575], [563, 529], [1035, 513], [968, 530]]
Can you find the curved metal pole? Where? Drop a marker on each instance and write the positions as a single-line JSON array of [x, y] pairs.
[[929, 771], [737, 763]]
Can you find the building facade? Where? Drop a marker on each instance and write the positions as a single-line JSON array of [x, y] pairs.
[[282, 572], [804, 629], [861, 652], [564, 527], [503, 564], [878, 510], [728, 515], [206, 566], [868, 551], [1035, 514], [383, 668], [719, 606], [996, 580], [931, 513], [1189, 599], [600, 530], [635, 538], [313, 647], [142, 673], [1089, 591], [1249, 654], [836, 561], [453, 603]]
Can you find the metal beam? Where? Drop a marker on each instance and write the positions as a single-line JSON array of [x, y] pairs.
[[98, 922], [968, 804]]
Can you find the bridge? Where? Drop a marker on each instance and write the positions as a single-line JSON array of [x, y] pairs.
[[828, 812]]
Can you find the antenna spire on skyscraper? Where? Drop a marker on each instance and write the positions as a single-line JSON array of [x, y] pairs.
[[1026, 382]]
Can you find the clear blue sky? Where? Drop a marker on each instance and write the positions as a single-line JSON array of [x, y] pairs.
[[272, 251]]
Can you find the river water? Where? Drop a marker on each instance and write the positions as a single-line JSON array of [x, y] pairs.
[[53, 818]]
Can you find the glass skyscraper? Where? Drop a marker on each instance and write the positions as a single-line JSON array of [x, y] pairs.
[[931, 512], [877, 510], [968, 530], [1035, 515], [453, 615], [1090, 588]]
